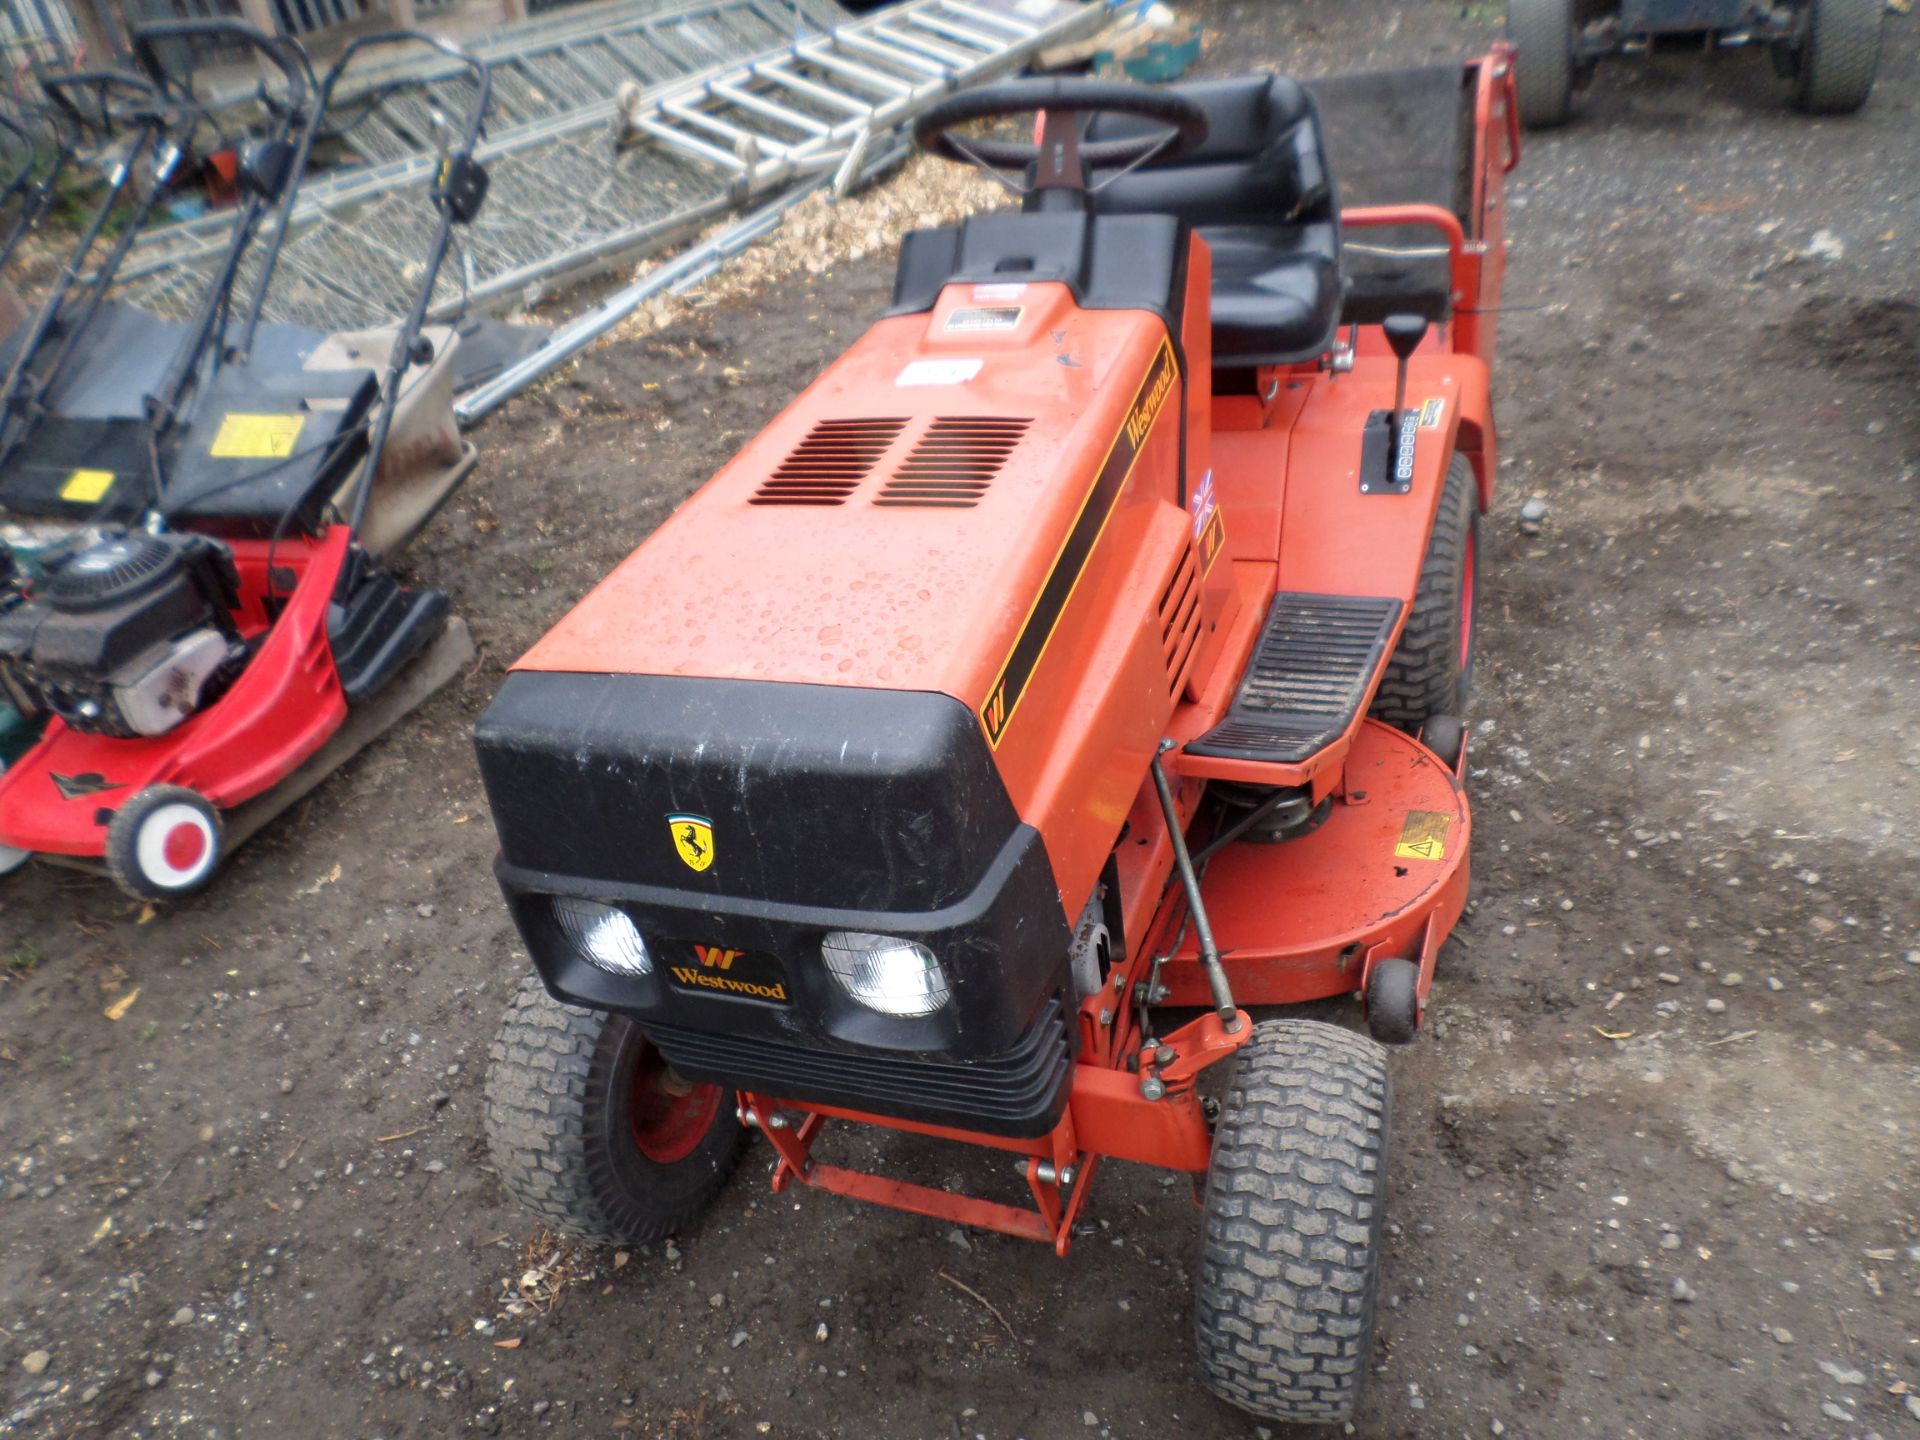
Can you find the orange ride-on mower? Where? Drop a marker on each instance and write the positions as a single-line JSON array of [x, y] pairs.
[[1090, 640]]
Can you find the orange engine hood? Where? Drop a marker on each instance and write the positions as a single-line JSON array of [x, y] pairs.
[[818, 556]]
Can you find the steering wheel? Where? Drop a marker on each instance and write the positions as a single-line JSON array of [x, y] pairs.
[[1063, 155]]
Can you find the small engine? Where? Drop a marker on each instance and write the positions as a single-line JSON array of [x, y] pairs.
[[128, 636]]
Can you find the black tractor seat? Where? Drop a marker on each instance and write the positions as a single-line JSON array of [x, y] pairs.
[[1260, 192]]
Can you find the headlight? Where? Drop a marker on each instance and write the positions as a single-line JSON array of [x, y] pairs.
[[886, 973], [606, 936]]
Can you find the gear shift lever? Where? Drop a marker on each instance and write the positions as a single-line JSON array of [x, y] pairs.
[[1387, 451], [1404, 334]]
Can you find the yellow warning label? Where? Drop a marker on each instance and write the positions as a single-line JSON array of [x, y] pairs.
[[87, 486], [1423, 836], [257, 437]]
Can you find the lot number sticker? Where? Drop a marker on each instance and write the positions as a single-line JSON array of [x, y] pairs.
[[86, 486], [257, 437], [937, 372]]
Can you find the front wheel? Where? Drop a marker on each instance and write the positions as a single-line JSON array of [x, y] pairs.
[[1295, 1199], [593, 1131], [1841, 51]]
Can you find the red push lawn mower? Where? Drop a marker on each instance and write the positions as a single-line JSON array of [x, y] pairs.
[[1090, 640], [220, 632]]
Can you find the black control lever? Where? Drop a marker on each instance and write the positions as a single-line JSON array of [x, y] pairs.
[[1404, 334]]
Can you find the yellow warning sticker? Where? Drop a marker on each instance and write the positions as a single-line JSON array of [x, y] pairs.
[[257, 437], [87, 486], [1423, 836]]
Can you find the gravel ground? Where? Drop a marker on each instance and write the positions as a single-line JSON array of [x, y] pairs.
[[1656, 1156]]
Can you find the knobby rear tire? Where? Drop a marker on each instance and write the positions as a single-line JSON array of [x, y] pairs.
[[1431, 670]]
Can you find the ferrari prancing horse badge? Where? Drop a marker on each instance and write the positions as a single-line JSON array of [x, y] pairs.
[[693, 838]]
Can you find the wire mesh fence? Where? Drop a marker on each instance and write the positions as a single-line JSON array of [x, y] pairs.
[[757, 95]]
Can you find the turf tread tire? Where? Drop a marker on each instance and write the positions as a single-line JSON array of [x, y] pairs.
[[1542, 34], [1839, 57], [1426, 675], [554, 1117], [1288, 1282]]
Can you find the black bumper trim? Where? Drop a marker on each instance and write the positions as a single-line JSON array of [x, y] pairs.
[[1022, 1093]]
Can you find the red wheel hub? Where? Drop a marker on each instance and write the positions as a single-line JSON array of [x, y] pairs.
[[184, 846], [671, 1116]]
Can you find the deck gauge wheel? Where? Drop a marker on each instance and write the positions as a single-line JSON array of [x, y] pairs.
[[1393, 1001]]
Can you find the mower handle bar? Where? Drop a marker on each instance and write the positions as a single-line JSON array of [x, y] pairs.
[[55, 84], [292, 125], [482, 76], [401, 355], [32, 147], [288, 58]]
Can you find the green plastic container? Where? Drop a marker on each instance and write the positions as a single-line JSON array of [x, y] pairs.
[[1162, 61], [17, 733]]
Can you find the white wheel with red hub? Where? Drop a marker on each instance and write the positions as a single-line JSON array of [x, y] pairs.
[[164, 843]]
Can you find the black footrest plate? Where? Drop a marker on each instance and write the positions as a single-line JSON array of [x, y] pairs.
[[1316, 656]]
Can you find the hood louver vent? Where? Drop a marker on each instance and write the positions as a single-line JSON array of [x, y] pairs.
[[1180, 619], [828, 466], [952, 464]]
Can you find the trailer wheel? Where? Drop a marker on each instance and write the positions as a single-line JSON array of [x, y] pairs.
[[1542, 33], [1431, 670], [594, 1132], [1295, 1196], [164, 843], [1834, 71]]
